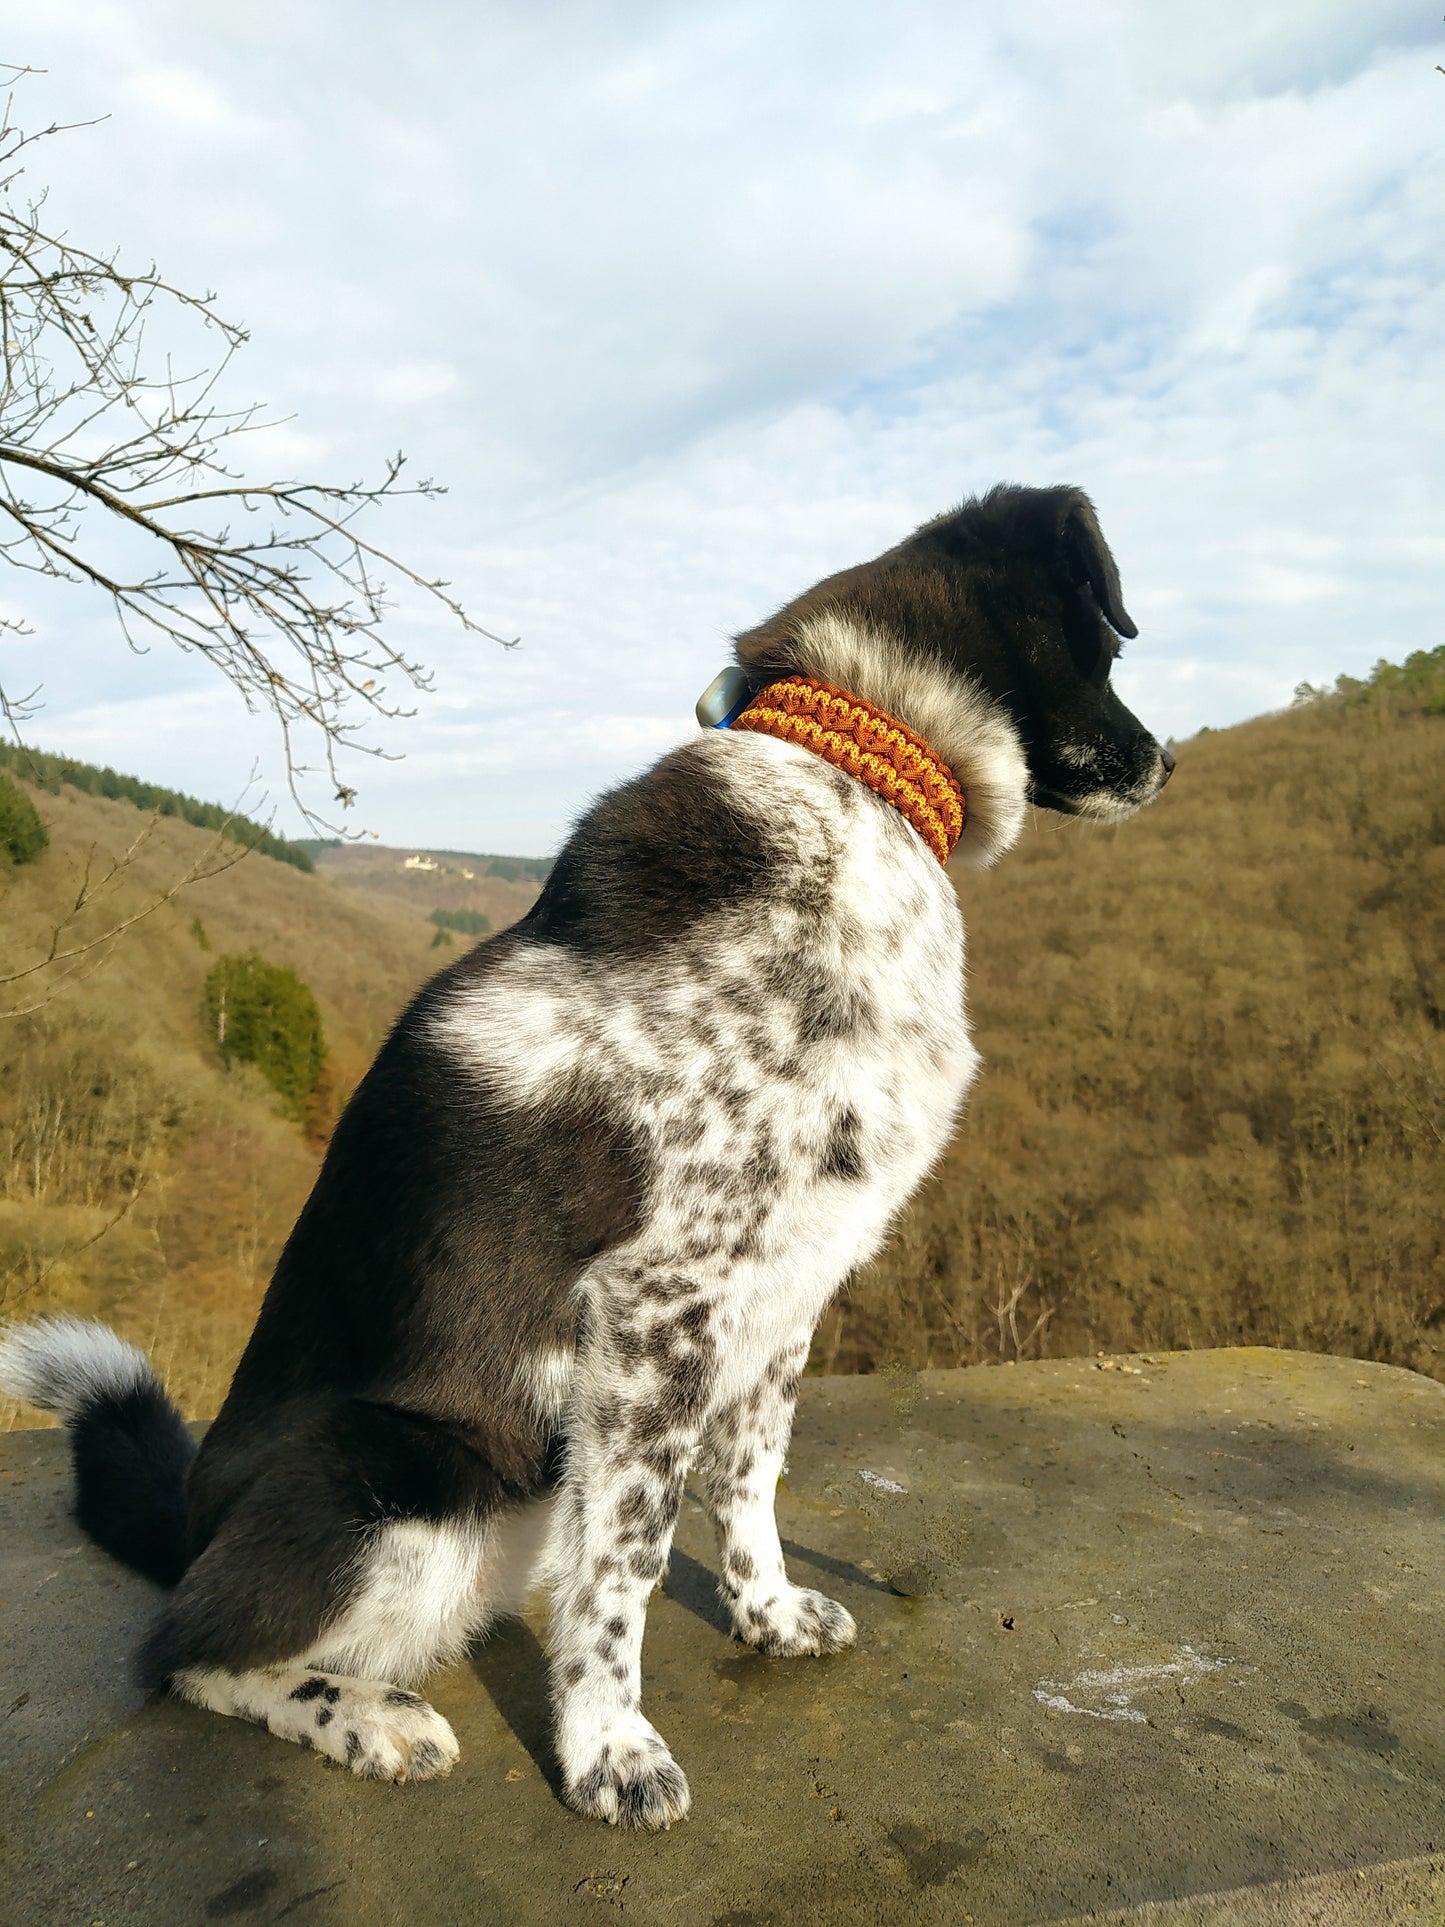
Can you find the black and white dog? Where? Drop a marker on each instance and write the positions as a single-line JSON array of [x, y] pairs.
[[575, 1230]]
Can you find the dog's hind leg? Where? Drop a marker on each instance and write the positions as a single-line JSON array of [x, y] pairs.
[[381, 1732], [315, 1605]]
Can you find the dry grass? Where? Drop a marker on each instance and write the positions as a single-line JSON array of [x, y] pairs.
[[1213, 1103], [1212, 1108], [140, 1181], [457, 883]]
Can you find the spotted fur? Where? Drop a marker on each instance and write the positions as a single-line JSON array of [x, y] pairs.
[[575, 1230], [377, 1731]]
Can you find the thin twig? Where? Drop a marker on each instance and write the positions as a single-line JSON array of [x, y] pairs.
[[58, 954], [67, 1252], [291, 604]]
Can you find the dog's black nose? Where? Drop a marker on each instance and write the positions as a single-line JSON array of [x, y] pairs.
[[1166, 757]]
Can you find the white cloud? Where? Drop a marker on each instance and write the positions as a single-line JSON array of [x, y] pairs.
[[689, 306], [193, 100], [413, 382]]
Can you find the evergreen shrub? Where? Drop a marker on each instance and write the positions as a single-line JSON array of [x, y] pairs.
[[467, 923], [263, 1014], [22, 834], [512, 869]]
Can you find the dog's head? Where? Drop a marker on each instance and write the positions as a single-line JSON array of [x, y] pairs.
[[1043, 620], [1016, 594]]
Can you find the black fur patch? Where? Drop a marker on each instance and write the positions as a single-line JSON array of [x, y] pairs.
[[843, 1154], [131, 1453], [442, 1238], [619, 889]]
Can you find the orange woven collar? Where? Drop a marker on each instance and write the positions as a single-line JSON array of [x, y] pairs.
[[868, 743]]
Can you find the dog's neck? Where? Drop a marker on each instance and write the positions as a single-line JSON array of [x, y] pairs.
[[881, 752], [962, 725]]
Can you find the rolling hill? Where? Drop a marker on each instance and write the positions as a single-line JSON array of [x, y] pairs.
[[1212, 1108], [140, 1180], [421, 882]]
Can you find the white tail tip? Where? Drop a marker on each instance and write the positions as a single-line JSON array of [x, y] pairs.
[[66, 1365]]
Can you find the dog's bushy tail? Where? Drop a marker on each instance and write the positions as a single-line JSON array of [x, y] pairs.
[[129, 1443]]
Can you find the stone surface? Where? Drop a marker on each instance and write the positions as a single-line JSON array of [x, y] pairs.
[[1171, 1652]]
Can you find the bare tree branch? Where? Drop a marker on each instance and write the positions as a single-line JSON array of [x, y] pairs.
[[67, 956], [120, 470], [39, 1273]]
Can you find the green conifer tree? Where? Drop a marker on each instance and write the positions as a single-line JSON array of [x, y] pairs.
[[22, 834], [265, 1015]]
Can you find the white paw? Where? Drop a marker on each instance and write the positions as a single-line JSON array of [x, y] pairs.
[[631, 1780], [381, 1732], [793, 1621]]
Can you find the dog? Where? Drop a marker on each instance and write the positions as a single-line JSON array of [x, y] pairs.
[[574, 1232]]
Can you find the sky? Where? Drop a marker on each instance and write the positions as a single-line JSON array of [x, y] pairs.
[[690, 304]]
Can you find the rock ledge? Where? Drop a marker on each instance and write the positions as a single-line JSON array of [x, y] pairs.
[[1153, 1639]]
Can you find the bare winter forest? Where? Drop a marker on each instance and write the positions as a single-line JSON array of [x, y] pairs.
[[1212, 1109]]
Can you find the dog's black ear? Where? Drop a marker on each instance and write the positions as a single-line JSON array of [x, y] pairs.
[[1088, 558]]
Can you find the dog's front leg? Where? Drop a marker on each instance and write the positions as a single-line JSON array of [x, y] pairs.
[[747, 1442], [637, 1418]]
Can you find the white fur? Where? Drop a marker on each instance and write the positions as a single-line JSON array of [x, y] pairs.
[[545, 1382], [952, 715], [523, 1028], [364, 1724], [64, 1365], [743, 1460], [421, 1598], [427, 1590]]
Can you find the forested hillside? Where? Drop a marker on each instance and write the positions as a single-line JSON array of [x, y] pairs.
[[43, 771], [148, 1175], [1212, 1107], [441, 885]]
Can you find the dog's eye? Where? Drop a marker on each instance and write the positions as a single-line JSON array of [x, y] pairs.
[[1092, 643], [1109, 647]]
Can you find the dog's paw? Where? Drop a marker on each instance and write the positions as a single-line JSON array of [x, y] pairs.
[[632, 1782], [381, 1732], [401, 1738], [792, 1622]]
